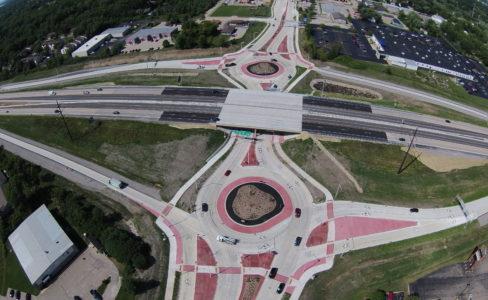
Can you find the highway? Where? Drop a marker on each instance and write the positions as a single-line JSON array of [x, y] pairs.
[[322, 116]]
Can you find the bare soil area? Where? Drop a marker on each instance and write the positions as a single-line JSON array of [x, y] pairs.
[[445, 163], [250, 286], [263, 68], [252, 203], [343, 88], [168, 165]]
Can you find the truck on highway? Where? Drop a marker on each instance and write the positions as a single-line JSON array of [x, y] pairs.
[[227, 240], [117, 183]]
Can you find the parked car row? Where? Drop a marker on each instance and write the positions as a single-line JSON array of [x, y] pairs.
[[17, 294]]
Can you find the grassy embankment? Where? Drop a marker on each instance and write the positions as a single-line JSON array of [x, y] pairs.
[[359, 274], [375, 168], [223, 10], [157, 154]]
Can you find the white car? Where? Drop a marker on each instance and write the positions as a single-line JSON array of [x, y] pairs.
[[226, 239], [51, 93]]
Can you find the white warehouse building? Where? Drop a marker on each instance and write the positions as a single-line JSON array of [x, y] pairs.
[[41, 246], [91, 46]]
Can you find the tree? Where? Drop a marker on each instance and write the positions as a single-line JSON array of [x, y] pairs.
[[166, 44]]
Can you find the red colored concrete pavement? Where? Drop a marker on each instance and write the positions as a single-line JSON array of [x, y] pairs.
[[261, 260], [318, 236], [349, 227], [250, 159], [187, 268], [265, 85], [299, 272], [281, 278], [205, 256], [205, 286], [330, 249], [330, 210], [283, 47], [229, 270]]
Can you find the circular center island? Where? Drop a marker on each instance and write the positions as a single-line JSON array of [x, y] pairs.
[[263, 68], [253, 203]]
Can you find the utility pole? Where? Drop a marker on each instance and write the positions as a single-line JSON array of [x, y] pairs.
[[403, 167], [64, 120]]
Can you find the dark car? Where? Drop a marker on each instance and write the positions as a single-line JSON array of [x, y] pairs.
[[57, 111], [76, 298], [96, 295], [12, 293], [402, 139], [273, 272], [414, 210], [274, 60], [204, 207], [280, 288], [298, 240], [28, 297], [99, 89], [17, 295], [227, 173], [298, 212], [116, 112], [230, 65], [448, 121]]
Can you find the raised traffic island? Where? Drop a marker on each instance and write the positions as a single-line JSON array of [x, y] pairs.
[[263, 68], [253, 203]]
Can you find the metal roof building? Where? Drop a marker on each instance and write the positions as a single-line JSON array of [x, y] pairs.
[[117, 32], [41, 246], [91, 46]]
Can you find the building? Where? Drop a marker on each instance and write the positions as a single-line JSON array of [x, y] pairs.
[[437, 19], [149, 38], [41, 246], [117, 32], [416, 50], [91, 46]]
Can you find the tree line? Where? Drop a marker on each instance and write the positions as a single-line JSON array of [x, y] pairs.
[[29, 186], [27, 23]]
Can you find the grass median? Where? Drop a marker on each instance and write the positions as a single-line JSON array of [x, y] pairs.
[[156, 154]]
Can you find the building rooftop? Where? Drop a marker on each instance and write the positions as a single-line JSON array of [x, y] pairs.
[[426, 49], [92, 42], [156, 32], [38, 242], [116, 31]]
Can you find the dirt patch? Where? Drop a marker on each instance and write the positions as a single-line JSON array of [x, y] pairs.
[[263, 68], [441, 162], [167, 165], [250, 286], [343, 88], [251, 203]]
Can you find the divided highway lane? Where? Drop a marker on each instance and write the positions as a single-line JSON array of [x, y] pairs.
[[321, 123], [394, 120]]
